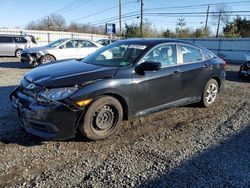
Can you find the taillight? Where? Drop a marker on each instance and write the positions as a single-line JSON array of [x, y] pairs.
[[223, 62]]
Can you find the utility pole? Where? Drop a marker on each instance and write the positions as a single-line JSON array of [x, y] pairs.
[[141, 17], [120, 17], [218, 26], [207, 18]]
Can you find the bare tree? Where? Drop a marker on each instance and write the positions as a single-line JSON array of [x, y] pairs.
[[221, 16], [52, 22]]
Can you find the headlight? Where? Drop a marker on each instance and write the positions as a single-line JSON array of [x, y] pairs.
[[57, 93]]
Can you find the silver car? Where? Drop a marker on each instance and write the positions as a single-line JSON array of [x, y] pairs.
[[13, 45], [59, 50]]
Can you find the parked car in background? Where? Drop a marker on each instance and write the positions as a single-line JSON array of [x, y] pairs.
[[105, 42], [59, 50], [94, 95], [244, 71], [13, 45]]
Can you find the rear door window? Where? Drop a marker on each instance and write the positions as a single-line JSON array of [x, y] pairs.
[[20, 40], [190, 54], [85, 44], [6, 40]]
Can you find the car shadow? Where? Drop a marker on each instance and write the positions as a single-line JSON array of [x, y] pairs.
[[223, 165], [16, 65]]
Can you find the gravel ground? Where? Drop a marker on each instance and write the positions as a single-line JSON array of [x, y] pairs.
[[181, 147]]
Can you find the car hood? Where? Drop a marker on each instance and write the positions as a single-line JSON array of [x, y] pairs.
[[68, 73], [36, 49]]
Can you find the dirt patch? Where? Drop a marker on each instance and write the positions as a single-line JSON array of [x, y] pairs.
[[186, 146]]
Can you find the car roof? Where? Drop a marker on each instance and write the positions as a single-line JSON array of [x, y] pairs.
[[6, 35], [155, 41]]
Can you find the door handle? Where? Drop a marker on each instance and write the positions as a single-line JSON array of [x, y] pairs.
[[206, 65], [176, 73]]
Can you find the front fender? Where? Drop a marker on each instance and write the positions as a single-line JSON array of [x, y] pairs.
[[110, 86]]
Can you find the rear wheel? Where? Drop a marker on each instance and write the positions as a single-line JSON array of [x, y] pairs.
[[210, 93], [18, 52], [240, 71], [47, 59], [101, 118]]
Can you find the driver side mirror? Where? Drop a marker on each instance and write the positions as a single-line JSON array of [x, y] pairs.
[[62, 46], [147, 66]]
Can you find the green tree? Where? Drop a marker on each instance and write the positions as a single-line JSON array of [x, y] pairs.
[[133, 30], [240, 25], [201, 33], [231, 30], [168, 34]]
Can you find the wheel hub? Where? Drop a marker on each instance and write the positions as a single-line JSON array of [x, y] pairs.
[[104, 117], [212, 91]]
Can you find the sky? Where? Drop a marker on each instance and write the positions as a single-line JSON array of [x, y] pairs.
[[18, 13]]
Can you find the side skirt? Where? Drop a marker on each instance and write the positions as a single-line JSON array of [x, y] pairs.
[[180, 102]]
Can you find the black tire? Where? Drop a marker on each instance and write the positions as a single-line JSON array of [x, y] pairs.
[[47, 59], [102, 118], [18, 52], [240, 73], [210, 93]]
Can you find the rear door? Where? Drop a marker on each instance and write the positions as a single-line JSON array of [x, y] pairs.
[[7, 47], [195, 70]]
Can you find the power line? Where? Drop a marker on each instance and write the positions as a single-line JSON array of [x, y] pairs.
[[199, 5], [76, 6], [101, 11]]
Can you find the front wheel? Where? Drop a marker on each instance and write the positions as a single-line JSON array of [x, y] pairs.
[[210, 93], [47, 59], [102, 118]]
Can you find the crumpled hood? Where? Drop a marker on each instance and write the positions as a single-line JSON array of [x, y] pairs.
[[36, 49], [68, 73]]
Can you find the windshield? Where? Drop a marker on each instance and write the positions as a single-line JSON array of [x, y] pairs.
[[56, 43], [116, 55]]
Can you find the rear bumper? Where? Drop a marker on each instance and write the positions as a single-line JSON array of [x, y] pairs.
[[222, 80], [53, 122]]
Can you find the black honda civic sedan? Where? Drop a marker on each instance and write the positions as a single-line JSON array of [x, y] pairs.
[[121, 81]]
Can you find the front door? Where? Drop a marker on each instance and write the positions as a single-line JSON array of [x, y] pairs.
[[156, 88]]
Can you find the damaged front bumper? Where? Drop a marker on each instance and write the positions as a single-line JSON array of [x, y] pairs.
[[53, 121], [29, 58]]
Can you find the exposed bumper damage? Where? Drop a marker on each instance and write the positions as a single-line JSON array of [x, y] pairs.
[[53, 121]]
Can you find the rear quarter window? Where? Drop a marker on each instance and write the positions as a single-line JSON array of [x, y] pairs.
[[20, 40], [206, 55]]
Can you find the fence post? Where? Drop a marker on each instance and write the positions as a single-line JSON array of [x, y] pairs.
[[219, 45], [72, 35], [48, 38]]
